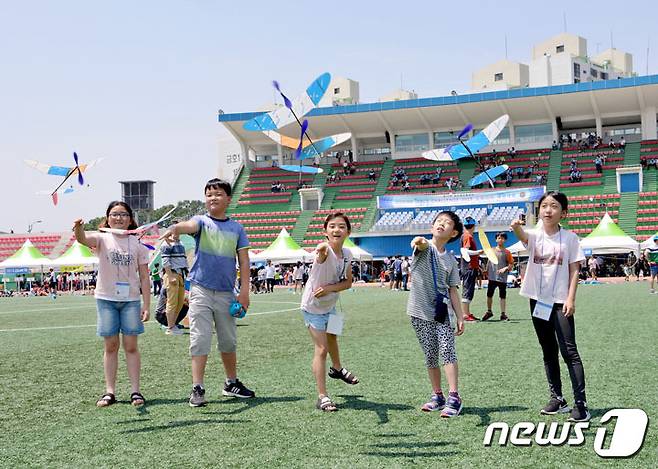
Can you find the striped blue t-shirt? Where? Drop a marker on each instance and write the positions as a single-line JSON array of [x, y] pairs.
[[217, 244]]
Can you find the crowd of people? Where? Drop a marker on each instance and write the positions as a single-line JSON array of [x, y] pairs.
[[587, 141]]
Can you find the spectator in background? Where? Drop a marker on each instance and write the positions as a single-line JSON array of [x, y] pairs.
[[406, 187], [554, 146], [269, 277], [406, 271], [156, 279], [371, 175], [599, 164], [508, 179], [593, 265], [174, 263], [622, 143]]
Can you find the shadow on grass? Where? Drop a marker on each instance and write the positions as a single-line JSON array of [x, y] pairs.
[[180, 424], [246, 404], [411, 454], [483, 412], [392, 435], [411, 444], [381, 409]]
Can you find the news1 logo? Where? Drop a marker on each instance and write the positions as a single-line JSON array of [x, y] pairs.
[[627, 435]]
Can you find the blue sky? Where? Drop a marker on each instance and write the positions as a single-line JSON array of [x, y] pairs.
[[140, 83]]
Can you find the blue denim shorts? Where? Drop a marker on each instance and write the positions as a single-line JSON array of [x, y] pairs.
[[317, 321], [113, 317]]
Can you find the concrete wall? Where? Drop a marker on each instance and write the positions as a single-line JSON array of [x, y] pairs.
[[621, 62], [341, 91], [574, 45], [515, 75]]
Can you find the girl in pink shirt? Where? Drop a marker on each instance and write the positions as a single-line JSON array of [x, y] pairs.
[[122, 271]]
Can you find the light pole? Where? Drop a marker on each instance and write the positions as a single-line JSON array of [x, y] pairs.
[[31, 225]]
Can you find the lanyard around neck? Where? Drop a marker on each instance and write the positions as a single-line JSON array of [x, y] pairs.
[[557, 260]]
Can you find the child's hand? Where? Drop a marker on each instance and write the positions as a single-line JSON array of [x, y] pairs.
[[170, 236], [460, 326], [503, 270], [323, 248], [243, 299], [569, 308], [419, 242], [320, 292], [146, 315], [516, 223], [77, 223]]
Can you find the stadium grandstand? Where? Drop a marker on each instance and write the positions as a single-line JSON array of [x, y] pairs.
[[604, 127], [392, 193]]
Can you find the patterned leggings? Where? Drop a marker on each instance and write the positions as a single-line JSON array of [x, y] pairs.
[[437, 341]]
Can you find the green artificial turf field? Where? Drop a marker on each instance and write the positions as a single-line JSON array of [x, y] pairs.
[[51, 375]]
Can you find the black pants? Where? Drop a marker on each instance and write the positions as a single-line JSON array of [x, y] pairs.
[[502, 289], [157, 287], [560, 331], [270, 285]]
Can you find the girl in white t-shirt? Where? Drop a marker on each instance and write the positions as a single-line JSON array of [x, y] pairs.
[[330, 274], [550, 282], [122, 271]]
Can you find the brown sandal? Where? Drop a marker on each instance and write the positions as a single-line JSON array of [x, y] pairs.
[[343, 374], [106, 399], [325, 404], [137, 399]]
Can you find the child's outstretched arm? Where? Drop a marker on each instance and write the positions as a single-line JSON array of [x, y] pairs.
[[80, 236], [184, 227], [457, 307], [322, 251], [517, 227]]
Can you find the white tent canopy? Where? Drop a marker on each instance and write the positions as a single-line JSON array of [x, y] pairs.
[[608, 238], [358, 253], [27, 256], [518, 249], [77, 254], [649, 243], [283, 249]]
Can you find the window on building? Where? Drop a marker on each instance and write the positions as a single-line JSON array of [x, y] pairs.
[[604, 75], [533, 133], [594, 73], [576, 70], [559, 49], [441, 139], [412, 142], [376, 151], [336, 90], [498, 77]]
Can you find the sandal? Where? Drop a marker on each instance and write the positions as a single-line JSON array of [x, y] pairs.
[[106, 399], [137, 399], [343, 374], [325, 404]]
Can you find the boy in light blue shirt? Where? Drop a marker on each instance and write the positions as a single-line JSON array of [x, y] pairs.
[[219, 240]]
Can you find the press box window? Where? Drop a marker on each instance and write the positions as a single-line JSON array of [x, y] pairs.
[[498, 77]]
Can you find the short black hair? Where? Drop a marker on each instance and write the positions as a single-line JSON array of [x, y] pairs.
[[217, 183], [559, 197], [455, 219], [502, 234]]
